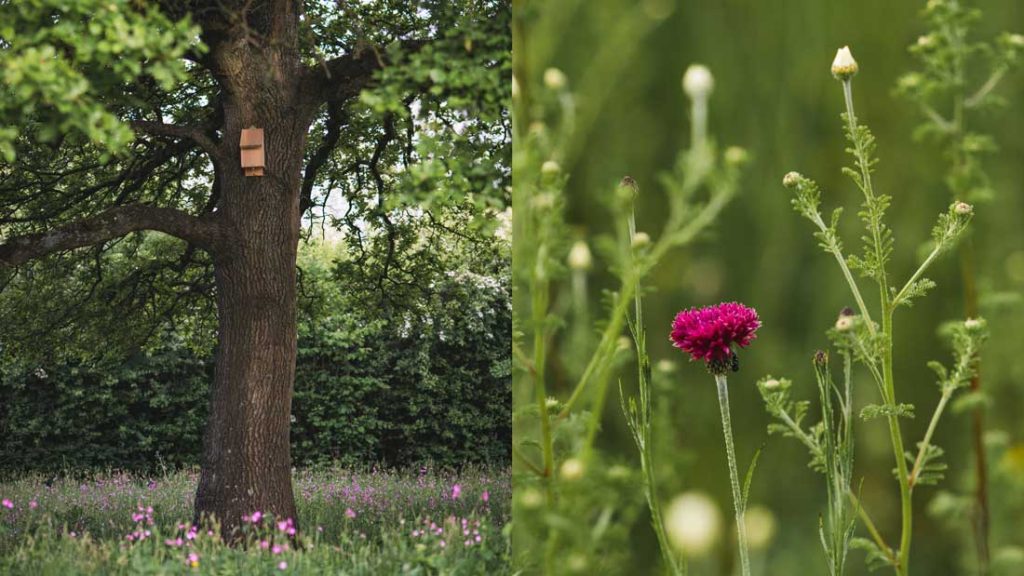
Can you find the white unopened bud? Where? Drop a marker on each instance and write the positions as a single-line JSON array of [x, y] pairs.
[[579, 256], [550, 168], [771, 384], [698, 83], [555, 79], [572, 469], [531, 498], [760, 523], [791, 179], [692, 523], [972, 323], [624, 343], [963, 208], [1016, 40], [666, 366], [577, 562], [542, 201], [844, 323], [552, 403], [844, 66], [736, 156], [926, 40], [640, 239]]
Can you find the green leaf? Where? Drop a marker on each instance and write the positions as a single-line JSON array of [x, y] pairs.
[[872, 411], [750, 477]]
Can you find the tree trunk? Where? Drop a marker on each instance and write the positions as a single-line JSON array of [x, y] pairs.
[[246, 462]]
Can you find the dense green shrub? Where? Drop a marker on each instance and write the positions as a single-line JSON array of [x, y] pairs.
[[427, 381]]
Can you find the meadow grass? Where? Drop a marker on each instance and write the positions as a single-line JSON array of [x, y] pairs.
[[351, 522]]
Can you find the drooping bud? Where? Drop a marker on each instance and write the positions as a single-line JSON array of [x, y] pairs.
[[698, 83], [844, 66]]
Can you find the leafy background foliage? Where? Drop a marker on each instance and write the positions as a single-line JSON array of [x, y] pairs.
[[425, 382]]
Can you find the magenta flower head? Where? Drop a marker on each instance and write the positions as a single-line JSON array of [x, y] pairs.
[[709, 333]]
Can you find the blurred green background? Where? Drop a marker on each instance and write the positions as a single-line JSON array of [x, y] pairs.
[[774, 96]]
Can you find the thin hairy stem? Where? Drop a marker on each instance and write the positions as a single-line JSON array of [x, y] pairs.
[[889, 389], [919, 461], [917, 273], [734, 477], [841, 260], [871, 528], [986, 88]]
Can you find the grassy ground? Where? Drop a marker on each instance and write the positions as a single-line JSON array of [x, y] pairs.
[[368, 522]]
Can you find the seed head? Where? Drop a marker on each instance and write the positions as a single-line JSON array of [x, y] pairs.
[[844, 66], [698, 83]]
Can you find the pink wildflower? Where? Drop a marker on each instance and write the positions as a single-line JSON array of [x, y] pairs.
[[486, 496], [7, 504], [350, 513], [708, 333], [456, 492]]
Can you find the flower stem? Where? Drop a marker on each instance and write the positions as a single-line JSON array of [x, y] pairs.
[[902, 475], [734, 477]]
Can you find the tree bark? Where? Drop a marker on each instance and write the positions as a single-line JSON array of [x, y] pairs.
[[246, 461]]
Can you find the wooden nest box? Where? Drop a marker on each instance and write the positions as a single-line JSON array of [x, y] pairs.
[[253, 155]]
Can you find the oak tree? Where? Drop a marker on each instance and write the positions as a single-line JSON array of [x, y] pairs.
[[120, 119]]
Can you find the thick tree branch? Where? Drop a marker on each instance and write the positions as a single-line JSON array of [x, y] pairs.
[[113, 223], [195, 133], [335, 119], [344, 77]]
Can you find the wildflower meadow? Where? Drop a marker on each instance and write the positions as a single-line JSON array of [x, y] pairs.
[[767, 278]]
